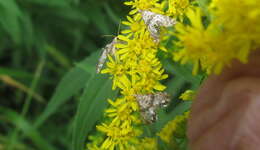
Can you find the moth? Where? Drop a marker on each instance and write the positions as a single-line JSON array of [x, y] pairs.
[[149, 103], [154, 21], [108, 49]]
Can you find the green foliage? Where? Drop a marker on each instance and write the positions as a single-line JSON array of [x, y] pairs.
[[40, 81], [90, 108], [17, 120], [71, 84]]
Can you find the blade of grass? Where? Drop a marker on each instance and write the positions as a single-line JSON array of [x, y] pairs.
[[27, 102], [111, 13], [69, 85], [27, 129], [33, 87], [11, 82], [9, 19], [90, 108], [58, 56], [15, 73], [99, 19]]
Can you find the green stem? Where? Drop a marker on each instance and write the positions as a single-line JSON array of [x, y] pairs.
[[27, 103]]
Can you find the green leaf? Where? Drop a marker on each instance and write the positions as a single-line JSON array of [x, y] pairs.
[[183, 71], [50, 3], [28, 130], [89, 65], [90, 108], [99, 19], [27, 31], [9, 18], [58, 56], [70, 84], [18, 145], [15, 73], [111, 13]]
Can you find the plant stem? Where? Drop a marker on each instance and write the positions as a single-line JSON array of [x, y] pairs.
[[27, 102]]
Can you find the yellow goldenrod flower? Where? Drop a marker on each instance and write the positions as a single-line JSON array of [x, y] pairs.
[[147, 144], [232, 33], [134, 69], [121, 112], [152, 5], [192, 50], [178, 8], [136, 46], [96, 141], [135, 24], [243, 20], [188, 95], [115, 68], [117, 136], [172, 127]]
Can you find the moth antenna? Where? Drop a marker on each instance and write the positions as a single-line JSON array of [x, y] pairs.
[[118, 31]]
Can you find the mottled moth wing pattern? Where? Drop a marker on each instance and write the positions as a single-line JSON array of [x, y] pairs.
[[149, 103], [108, 49], [154, 21]]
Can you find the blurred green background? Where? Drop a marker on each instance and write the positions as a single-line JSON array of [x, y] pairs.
[[40, 41], [51, 97]]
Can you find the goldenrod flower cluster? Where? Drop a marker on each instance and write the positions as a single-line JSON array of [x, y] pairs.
[[178, 8], [134, 69], [177, 127], [188, 95], [174, 127], [230, 30], [232, 33]]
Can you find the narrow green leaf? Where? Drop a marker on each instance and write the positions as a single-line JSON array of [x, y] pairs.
[[70, 84], [111, 13], [58, 56], [89, 65], [90, 109], [28, 130], [27, 31], [9, 19], [19, 145], [99, 19], [50, 3], [15, 73]]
